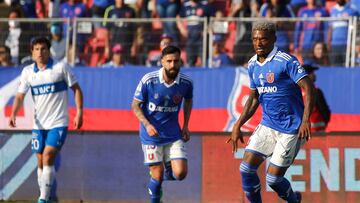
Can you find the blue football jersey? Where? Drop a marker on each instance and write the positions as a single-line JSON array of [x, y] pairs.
[[279, 95], [161, 105]]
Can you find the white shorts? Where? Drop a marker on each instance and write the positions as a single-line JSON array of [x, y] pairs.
[[154, 154], [282, 147]]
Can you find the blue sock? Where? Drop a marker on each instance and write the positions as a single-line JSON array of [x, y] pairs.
[[168, 173], [282, 187], [250, 182], [154, 190]]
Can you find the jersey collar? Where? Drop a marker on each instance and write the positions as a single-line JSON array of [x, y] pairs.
[[269, 57], [48, 65], [161, 79]]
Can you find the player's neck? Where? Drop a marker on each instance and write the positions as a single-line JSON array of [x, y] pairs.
[[41, 66], [168, 80]]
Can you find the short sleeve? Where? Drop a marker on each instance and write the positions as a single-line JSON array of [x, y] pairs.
[[295, 71], [24, 84], [251, 79], [141, 91], [69, 76], [189, 93]]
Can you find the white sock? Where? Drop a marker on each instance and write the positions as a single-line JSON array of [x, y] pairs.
[[39, 176], [47, 179]]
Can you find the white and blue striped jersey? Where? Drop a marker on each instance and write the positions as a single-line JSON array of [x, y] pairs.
[[279, 95], [49, 93], [161, 105]]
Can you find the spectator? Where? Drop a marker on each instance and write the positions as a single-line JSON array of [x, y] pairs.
[[117, 57], [145, 39], [28, 6], [58, 43], [98, 9], [311, 31], [169, 9], [193, 11], [5, 57], [243, 49], [320, 55], [338, 32], [42, 8], [121, 32], [155, 59], [357, 54], [13, 36], [219, 57], [279, 8], [320, 115], [71, 9]]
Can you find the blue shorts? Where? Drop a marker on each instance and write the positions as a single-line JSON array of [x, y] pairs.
[[54, 137]]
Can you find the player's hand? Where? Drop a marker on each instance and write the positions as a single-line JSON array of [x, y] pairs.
[[78, 121], [305, 130], [12, 122], [234, 138], [185, 134], [151, 130]]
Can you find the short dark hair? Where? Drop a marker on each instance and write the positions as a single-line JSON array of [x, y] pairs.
[[40, 40], [171, 49]]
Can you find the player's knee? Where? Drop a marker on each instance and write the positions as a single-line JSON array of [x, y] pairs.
[[180, 175]]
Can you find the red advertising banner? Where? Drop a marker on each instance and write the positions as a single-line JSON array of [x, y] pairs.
[[325, 170]]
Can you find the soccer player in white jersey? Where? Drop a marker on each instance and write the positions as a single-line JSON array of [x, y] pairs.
[[275, 81], [157, 102], [48, 81]]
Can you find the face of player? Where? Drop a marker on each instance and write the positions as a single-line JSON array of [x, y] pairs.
[[263, 43], [171, 64], [40, 54]]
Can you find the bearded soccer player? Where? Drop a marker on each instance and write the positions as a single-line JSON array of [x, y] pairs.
[[48, 81], [157, 102], [275, 81]]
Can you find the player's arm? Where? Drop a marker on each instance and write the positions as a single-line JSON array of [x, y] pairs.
[[135, 106], [78, 121], [187, 111], [250, 108], [306, 84], [18, 102]]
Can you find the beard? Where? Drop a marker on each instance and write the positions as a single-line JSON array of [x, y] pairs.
[[171, 74]]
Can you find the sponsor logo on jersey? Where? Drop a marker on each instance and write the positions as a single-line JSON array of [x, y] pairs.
[[269, 89], [153, 107]]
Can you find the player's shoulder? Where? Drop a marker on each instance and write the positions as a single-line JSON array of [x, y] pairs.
[[150, 76], [284, 57], [28, 68], [252, 62], [185, 79]]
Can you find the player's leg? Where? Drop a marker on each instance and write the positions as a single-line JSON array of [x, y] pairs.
[[37, 146], [153, 157], [54, 141], [260, 146], [249, 177], [175, 161], [284, 154]]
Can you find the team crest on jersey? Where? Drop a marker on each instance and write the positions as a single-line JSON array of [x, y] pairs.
[[270, 77], [156, 96], [177, 98]]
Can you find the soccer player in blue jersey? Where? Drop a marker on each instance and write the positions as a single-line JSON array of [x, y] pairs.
[[275, 81], [157, 102], [48, 81]]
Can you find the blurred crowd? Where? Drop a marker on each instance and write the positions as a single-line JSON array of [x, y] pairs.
[[110, 43]]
